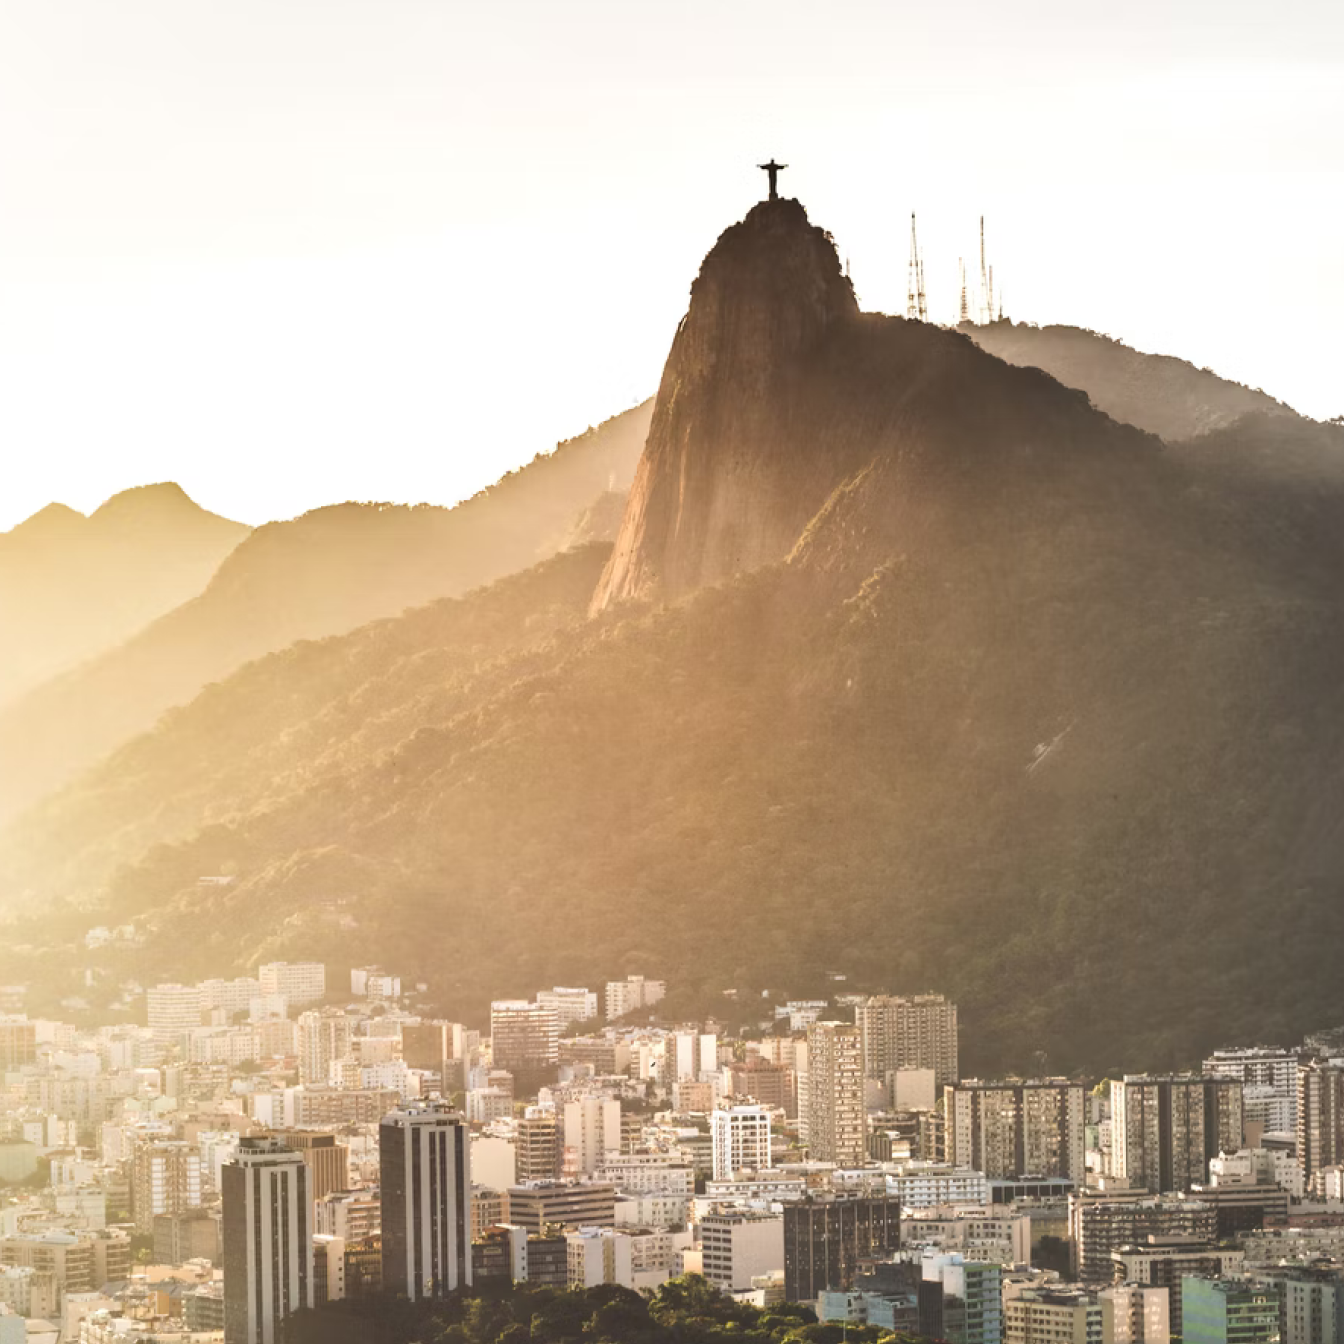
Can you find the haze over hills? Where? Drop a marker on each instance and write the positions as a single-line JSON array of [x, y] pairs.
[[1166, 396], [908, 663], [72, 586], [327, 571]]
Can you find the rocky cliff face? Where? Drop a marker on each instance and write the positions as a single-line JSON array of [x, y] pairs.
[[725, 483]]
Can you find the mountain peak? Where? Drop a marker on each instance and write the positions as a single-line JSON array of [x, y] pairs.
[[768, 294], [159, 497]]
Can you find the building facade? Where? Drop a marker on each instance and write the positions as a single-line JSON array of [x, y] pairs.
[[914, 1032], [741, 1136], [837, 1120], [425, 1192], [1010, 1130], [267, 1241], [1164, 1130]]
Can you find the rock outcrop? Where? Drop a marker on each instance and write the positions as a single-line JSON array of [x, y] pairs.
[[724, 484]]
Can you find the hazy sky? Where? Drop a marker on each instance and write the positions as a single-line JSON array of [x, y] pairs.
[[289, 252]]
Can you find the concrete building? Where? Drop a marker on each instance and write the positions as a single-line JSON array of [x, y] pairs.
[[18, 1043], [328, 1269], [1162, 1262], [592, 1129], [301, 982], [1133, 1314], [599, 1255], [166, 1178], [928, 1185], [1312, 1305], [324, 1038], [173, 1011], [740, 1245], [836, 1116], [562, 1204], [538, 1147], [425, 1190], [524, 1038], [1010, 1130], [194, 1234], [267, 1246], [1268, 1077], [826, 1238], [632, 993], [328, 1161], [351, 1215], [1101, 1222], [648, 1173], [571, 1006], [915, 1032], [1228, 1311], [1040, 1314], [960, 1300], [1320, 1117], [741, 1136], [1164, 1130]]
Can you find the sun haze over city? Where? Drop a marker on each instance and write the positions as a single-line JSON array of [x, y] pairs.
[[289, 254]]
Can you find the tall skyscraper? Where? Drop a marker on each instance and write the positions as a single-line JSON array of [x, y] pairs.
[[741, 1136], [914, 1032], [1320, 1117], [267, 1241], [837, 1122], [1017, 1129], [425, 1179], [1165, 1130]]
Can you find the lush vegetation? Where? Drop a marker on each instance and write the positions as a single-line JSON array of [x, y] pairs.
[[1039, 713], [687, 1310]]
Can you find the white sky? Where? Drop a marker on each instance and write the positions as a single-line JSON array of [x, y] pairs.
[[289, 252]]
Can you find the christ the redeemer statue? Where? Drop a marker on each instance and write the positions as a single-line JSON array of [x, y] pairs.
[[774, 169]]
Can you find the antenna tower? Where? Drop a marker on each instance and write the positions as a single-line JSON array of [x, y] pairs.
[[986, 301], [965, 313], [916, 306]]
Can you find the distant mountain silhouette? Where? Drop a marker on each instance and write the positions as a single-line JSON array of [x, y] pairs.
[[327, 571], [1166, 396], [72, 586], [908, 663]]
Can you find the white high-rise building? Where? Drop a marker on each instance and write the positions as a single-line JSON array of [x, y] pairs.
[[324, 1038], [599, 1255], [301, 982], [624, 996], [592, 1129], [174, 1010], [425, 1183], [739, 1246], [267, 1241], [741, 1136], [570, 1005], [1269, 1084]]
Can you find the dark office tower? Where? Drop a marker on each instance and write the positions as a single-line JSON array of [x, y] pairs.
[[425, 1179], [267, 1241], [826, 1238]]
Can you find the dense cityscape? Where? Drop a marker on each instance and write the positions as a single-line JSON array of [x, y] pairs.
[[261, 1146]]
